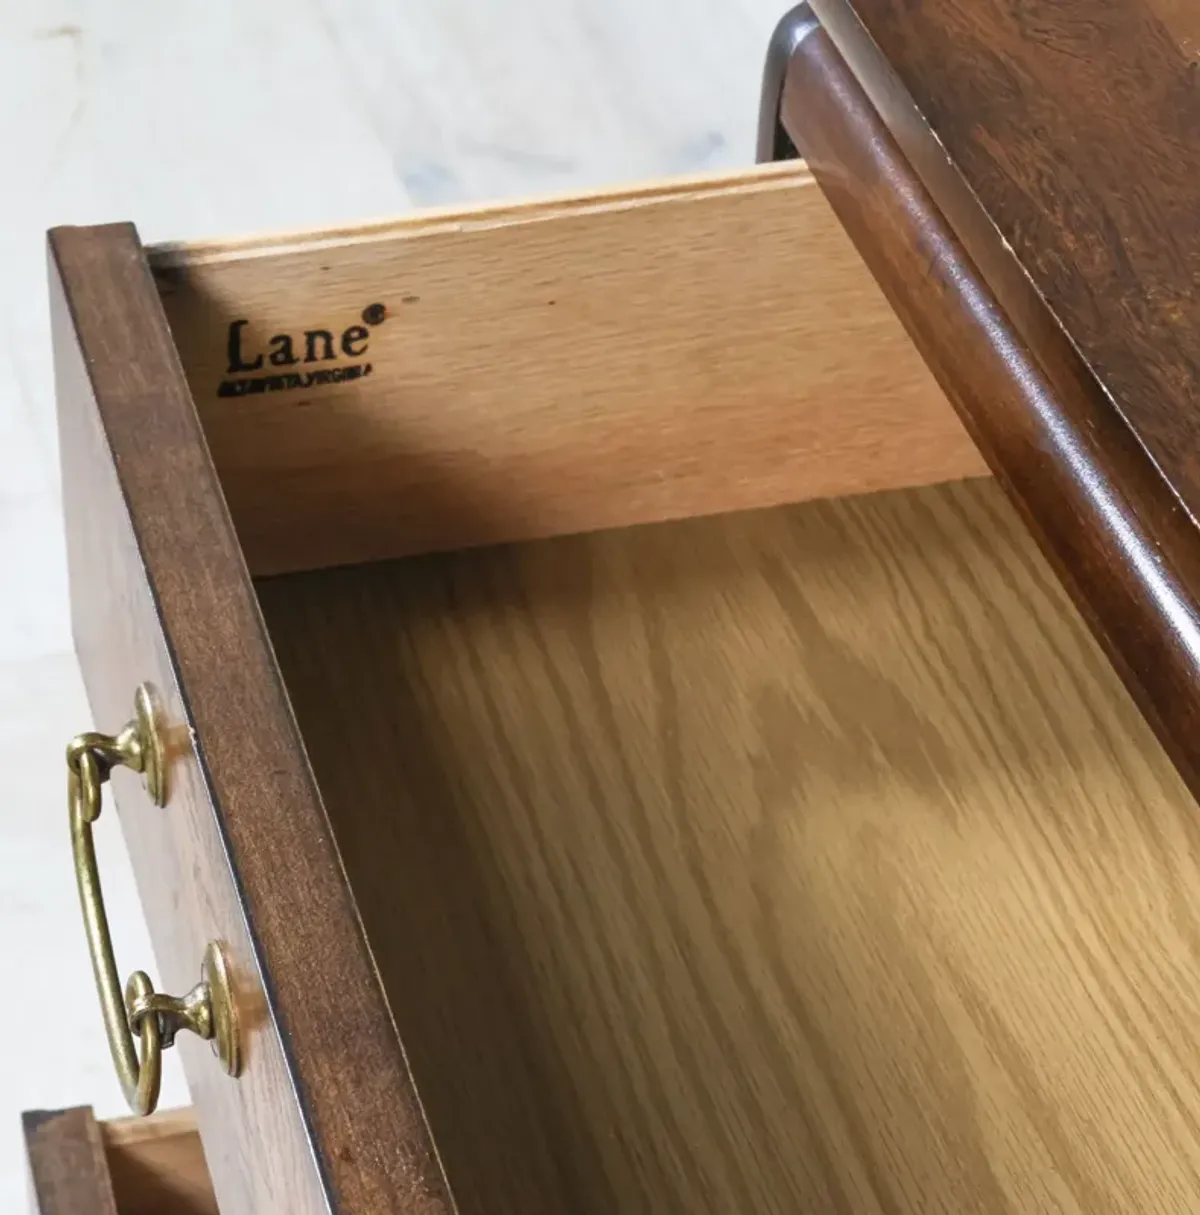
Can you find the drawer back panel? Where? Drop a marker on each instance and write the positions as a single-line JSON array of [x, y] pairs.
[[454, 379]]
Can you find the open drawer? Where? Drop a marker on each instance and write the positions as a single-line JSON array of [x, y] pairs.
[[628, 755], [129, 1166]]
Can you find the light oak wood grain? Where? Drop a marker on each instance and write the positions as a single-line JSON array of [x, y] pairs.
[[1182, 21], [156, 1165], [676, 349], [810, 859]]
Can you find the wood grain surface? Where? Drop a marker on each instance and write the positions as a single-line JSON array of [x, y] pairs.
[[1056, 144], [1075, 127], [323, 1114], [810, 859], [674, 349], [68, 1170]]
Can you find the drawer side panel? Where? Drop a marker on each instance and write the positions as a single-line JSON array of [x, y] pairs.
[[242, 852]]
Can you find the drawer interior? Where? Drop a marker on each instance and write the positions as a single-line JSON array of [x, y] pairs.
[[156, 1165], [128, 1166], [791, 860], [446, 380], [740, 817]]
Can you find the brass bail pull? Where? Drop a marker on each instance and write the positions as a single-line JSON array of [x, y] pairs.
[[208, 1009]]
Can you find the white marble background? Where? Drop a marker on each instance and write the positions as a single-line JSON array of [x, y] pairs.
[[212, 117]]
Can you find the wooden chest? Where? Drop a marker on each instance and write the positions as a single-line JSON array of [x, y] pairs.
[[606, 744]]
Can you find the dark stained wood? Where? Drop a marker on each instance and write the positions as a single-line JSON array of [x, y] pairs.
[[555, 367], [160, 592], [67, 1167], [1076, 127], [804, 860], [1101, 508]]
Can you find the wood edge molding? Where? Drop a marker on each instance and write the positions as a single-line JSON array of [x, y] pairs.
[[1109, 523], [157, 1165], [434, 220]]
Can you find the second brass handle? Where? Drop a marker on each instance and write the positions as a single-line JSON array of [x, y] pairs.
[[208, 1009]]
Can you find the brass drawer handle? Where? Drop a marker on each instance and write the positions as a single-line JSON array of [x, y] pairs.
[[208, 1009]]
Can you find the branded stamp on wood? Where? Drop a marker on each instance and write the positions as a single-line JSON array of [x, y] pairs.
[[292, 350]]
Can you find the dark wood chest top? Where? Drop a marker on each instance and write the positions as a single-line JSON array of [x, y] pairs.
[[1054, 148], [1076, 127]]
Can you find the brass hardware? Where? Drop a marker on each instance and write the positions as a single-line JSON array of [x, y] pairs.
[[208, 1009]]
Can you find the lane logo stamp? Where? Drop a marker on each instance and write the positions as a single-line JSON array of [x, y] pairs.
[[307, 351]]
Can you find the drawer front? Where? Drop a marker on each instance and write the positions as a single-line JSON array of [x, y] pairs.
[[241, 852], [142, 1166]]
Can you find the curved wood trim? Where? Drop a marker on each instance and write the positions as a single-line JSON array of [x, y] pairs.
[[1107, 519], [157, 1165]]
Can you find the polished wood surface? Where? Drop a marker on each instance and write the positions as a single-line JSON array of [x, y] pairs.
[[160, 593], [1056, 144], [68, 1170], [1075, 127], [677, 349], [156, 1165], [810, 859]]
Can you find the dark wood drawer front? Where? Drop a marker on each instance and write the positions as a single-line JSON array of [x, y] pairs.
[[160, 594]]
